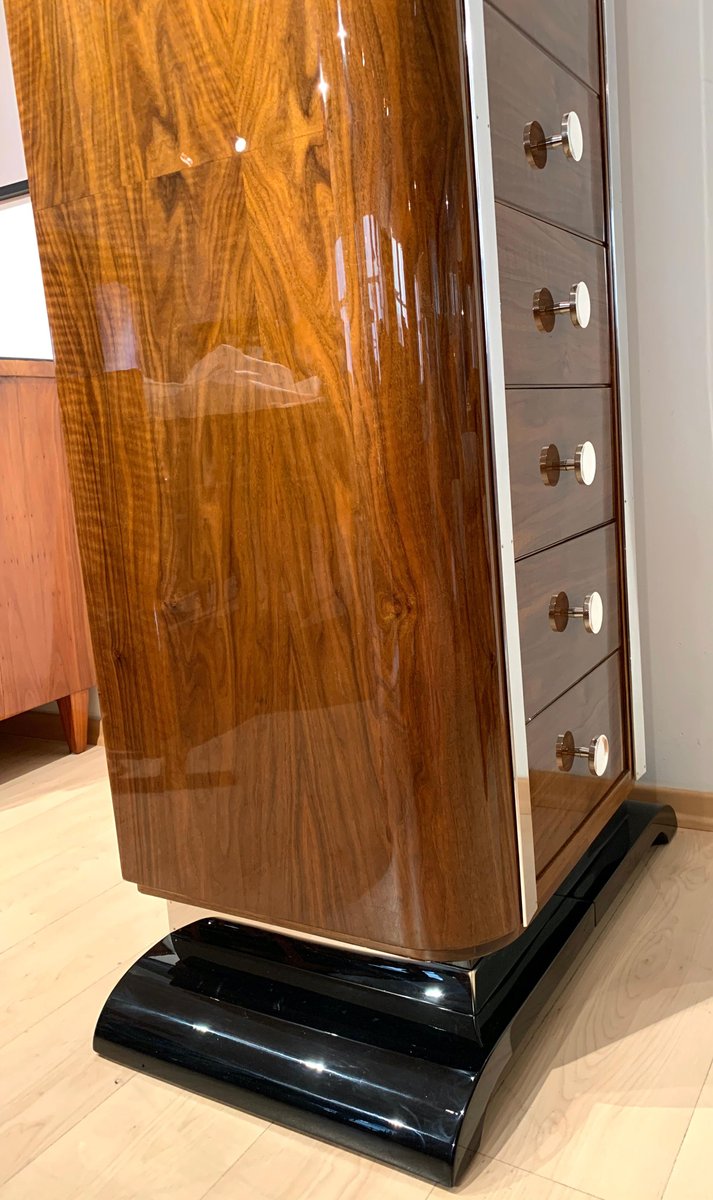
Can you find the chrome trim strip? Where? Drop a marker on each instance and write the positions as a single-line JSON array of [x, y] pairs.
[[621, 341], [490, 279], [180, 914]]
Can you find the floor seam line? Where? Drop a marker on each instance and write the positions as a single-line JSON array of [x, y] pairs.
[[37, 1157], [541, 1175], [68, 913], [90, 900], [242, 1154], [685, 1132]]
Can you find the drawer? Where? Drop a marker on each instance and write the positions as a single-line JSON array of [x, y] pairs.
[[526, 85], [553, 659], [568, 29], [565, 418], [562, 800], [534, 255]]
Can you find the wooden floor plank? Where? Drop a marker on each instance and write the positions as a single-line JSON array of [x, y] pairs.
[[611, 1099], [601, 1098], [146, 1140], [51, 1078], [284, 1165], [44, 971]]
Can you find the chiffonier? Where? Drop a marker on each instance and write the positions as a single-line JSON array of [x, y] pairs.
[[338, 304]]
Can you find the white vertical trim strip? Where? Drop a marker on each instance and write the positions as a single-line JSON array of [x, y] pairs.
[[485, 213], [618, 283]]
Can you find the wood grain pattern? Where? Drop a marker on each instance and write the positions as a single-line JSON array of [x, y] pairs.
[[535, 255], [134, 92], [553, 661], [526, 85], [561, 800], [270, 380], [566, 418], [567, 29], [44, 638]]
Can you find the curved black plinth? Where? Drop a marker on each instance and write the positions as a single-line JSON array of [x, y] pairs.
[[392, 1058]]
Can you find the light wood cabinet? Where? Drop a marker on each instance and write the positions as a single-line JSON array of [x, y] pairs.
[[45, 651]]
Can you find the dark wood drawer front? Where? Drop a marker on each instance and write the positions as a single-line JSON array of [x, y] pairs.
[[527, 85], [535, 255], [562, 800], [568, 29], [553, 661], [563, 417]]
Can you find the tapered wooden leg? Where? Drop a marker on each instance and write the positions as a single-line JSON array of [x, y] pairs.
[[74, 712]]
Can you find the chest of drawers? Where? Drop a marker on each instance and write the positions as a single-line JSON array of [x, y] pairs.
[[341, 353], [550, 229], [338, 302]]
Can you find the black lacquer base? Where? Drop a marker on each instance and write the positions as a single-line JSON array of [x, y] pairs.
[[393, 1058]]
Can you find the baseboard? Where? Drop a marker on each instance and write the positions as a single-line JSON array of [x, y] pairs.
[[48, 726], [694, 810]]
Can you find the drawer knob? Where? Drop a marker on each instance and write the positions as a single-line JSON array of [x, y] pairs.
[[591, 612], [584, 464], [570, 138], [596, 753], [579, 307]]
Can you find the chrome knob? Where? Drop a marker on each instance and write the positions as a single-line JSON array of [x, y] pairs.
[[596, 753], [591, 612], [584, 464], [579, 307], [570, 138]]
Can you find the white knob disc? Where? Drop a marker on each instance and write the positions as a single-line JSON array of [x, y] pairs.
[[580, 305], [585, 460], [593, 613], [572, 136]]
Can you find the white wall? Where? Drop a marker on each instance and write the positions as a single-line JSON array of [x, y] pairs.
[[666, 95], [12, 158], [24, 329]]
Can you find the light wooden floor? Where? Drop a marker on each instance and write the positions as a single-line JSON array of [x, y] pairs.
[[613, 1098]]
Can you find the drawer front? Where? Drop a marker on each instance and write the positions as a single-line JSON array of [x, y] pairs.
[[565, 418], [568, 29], [553, 659], [526, 85], [562, 800], [534, 255]]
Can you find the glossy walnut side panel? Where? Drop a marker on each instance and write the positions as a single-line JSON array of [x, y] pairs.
[[45, 651], [568, 29], [271, 386], [133, 92]]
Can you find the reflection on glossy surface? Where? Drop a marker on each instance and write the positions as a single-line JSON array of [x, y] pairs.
[[264, 303], [561, 802], [397, 1060]]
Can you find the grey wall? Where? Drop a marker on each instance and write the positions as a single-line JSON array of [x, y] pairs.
[[666, 93]]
